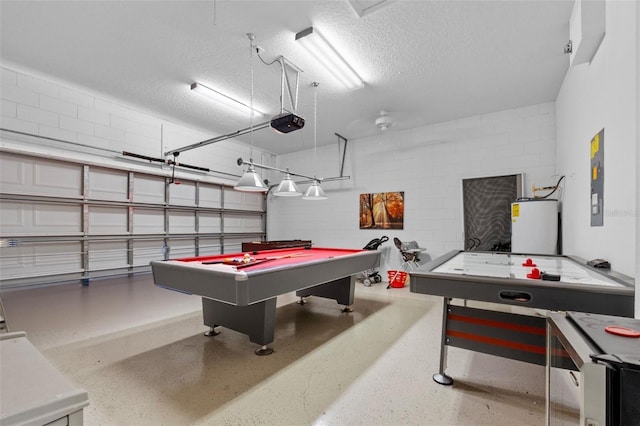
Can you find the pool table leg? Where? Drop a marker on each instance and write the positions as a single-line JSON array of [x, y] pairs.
[[256, 320], [341, 290], [264, 350], [441, 377], [212, 331]]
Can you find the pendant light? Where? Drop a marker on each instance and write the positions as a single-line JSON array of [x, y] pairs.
[[251, 180], [287, 188], [315, 192]]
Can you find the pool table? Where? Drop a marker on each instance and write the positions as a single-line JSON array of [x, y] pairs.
[[549, 282], [239, 290]]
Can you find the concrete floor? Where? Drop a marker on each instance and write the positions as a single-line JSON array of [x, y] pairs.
[[141, 354]]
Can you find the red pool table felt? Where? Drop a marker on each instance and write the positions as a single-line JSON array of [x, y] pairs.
[[271, 258]]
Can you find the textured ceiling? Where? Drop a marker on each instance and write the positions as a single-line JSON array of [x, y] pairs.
[[423, 61]]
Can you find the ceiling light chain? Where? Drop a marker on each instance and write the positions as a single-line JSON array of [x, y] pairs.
[[251, 37], [315, 85]]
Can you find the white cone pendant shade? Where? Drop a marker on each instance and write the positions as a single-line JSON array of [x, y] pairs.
[[251, 182], [315, 192], [288, 188]]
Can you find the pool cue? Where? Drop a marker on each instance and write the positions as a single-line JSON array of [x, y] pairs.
[[287, 256], [257, 260], [266, 259]]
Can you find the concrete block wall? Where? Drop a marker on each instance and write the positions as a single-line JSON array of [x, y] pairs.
[[38, 105], [428, 164], [600, 95]]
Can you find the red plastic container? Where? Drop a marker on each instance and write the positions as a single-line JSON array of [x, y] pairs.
[[397, 278]]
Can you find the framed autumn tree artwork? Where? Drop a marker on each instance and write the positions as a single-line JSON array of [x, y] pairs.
[[382, 210]]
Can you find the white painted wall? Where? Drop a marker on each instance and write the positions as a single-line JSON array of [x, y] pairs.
[[603, 94], [39, 105], [428, 164]]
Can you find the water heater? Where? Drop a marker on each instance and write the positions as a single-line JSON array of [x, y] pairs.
[[534, 226]]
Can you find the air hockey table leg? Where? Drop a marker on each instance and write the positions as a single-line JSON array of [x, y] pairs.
[[441, 377]]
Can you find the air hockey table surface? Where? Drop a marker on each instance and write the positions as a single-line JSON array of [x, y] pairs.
[[496, 264], [506, 278]]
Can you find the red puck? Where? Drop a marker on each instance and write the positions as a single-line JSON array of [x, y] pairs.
[[622, 331]]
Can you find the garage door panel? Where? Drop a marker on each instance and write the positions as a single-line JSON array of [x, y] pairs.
[[57, 179], [233, 245], [210, 196], [108, 220], [40, 259], [243, 200], [209, 246], [235, 224], [105, 184], [39, 176], [20, 218], [209, 223], [12, 171], [183, 194], [148, 221], [108, 255], [182, 248], [182, 222], [146, 251], [148, 189]]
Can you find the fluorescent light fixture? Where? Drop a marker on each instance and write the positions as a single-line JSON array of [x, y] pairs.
[[324, 53], [287, 188], [225, 100], [315, 192], [251, 182]]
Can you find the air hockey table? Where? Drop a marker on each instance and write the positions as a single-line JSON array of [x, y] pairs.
[[549, 282], [241, 295]]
